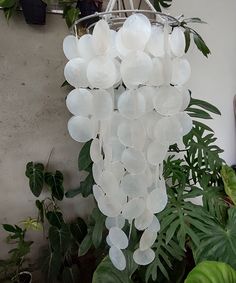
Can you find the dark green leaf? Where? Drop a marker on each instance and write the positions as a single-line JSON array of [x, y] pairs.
[[198, 113], [78, 229], [71, 15], [219, 243], [106, 272], [55, 182], [40, 205], [201, 45], [86, 244], [55, 218], [65, 83], [84, 160], [99, 219], [70, 274], [35, 173], [187, 39], [7, 3], [205, 105], [9, 228], [73, 193], [59, 238], [51, 266], [203, 126]]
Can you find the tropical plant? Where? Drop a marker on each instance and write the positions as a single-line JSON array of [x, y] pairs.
[[11, 267], [212, 272]]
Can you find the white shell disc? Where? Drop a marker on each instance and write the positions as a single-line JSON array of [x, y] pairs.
[[109, 207], [75, 73], [177, 42], [101, 72], [117, 149], [148, 92], [157, 75], [157, 200], [118, 221], [79, 102], [168, 130], [131, 104], [181, 71], [133, 209], [102, 104], [144, 220], [135, 69], [155, 44], [117, 169], [168, 100], [108, 183], [147, 240], [101, 37], [156, 152], [185, 121], [97, 170], [155, 225], [95, 151], [134, 185], [117, 258], [121, 49], [70, 47], [134, 161], [144, 257], [82, 129], [97, 192], [118, 238], [132, 134], [136, 32], [85, 47]]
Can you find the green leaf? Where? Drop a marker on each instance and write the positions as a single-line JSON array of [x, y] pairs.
[[51, 266], [70, 274], [7, 3], [198, 113], [164, 253], [65, 83], [212, 272], [84, 160], [86, 244], [78, 229], [187, 39], [40, 205], [35, 173], [201, 45], [229, 179], [55, 182], [71, 14], [106, 272], [9, 228], [86, 188], [55, 218], [219, 242], [203, 126], [59, 238], [205, 105], [97, 234]]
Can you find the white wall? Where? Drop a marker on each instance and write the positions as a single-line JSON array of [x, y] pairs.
[[33, 116], [214, 79]]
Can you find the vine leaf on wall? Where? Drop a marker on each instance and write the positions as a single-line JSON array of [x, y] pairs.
[[55, 183], [35, 173]]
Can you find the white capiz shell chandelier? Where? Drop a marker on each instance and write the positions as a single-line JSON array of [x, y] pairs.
[[129, 99]]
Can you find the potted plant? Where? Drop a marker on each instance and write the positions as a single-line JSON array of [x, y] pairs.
[[15, 268], [34, 11]]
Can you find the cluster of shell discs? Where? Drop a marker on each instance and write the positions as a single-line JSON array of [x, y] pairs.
[[129, 99]]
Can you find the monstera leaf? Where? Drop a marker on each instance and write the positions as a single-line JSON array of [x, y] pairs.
[[229, 178], [212, 272], [219, 242], [106, 272]]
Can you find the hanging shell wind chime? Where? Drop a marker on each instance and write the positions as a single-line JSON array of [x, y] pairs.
[[129, 97]]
